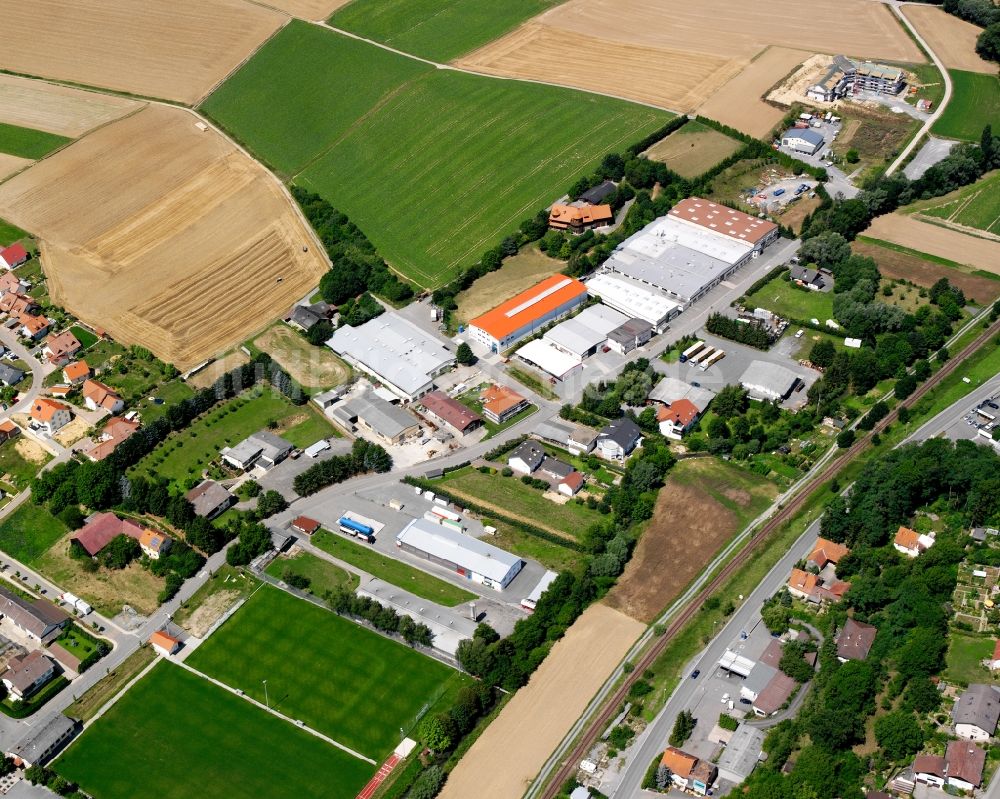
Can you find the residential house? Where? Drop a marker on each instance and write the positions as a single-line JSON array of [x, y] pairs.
[[154, 544], [305, 525], [10, 376], [38, 619], [826, 552], [814, 588], [911, 543], [808, 278], [34, 327], [164, 643], [526, 458], [581, 441], [929, 770], [689, 772], [802, 584], [571, 484], [210, 499], [50, 415], [450, 412], [8, 430], [44, 741], [578, 440], [616, 441], [114, 433], [776, 693], [27, 673], [580, 217], [76, 372], [15, 303], [304, 318], [97, 396], [855, 640], [101, 528], [263, 449], [500, 403], [677, 418], [964, 763], [976, 712], [60, 347], [12, 256], [554, 469], [61, 390]]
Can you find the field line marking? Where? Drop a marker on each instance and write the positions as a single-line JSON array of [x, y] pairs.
[[273, 712]]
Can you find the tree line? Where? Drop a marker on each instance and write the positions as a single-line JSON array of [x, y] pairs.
[[364, 457], [750, 333]]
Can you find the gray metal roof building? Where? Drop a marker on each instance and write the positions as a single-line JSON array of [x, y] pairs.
[[682, 272], [470, 557], [42, 743], [978, 706], [383, 418], [670, 389], [768, 381], [741, 755], [585, 332], [395, 352]]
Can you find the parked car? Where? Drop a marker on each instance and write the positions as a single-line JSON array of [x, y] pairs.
[[695, 673], [778, 192]]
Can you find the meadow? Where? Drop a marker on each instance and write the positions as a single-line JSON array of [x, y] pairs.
[[339, 678], [28, 143], [29, 531], [976, 206], [436, 29], [786, 299], [174, 730], [973, 105], [434, 165]]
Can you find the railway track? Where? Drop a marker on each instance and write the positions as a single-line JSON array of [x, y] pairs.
[[611, 705]]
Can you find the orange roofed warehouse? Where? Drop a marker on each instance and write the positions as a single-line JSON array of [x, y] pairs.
[[520, 316]]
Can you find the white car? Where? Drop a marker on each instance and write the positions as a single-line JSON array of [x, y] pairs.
[[799, 334]]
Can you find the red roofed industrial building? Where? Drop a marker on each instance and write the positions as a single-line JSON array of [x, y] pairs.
[[442, 408], [757, 233], [520, 316]]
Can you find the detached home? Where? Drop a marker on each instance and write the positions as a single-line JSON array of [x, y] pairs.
[[263, 449], [616, 441], [677, 418], [12, 256], [964, 763], [59, 348], [154, 544], [501, 403], [33, 327], [10, 376], [25, 674], [688, 772], [76, 372], [911, 543], [855, 640], [526, 458], [164, 643], [97, 396], [976, 712], [50, 415], [210, 499]]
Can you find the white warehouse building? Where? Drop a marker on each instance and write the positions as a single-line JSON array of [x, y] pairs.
[[634, 298], [769, 381], [803, 140], [585, 332], [474, 559]]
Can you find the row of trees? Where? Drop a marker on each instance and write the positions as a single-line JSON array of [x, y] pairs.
[[749, 333], [364, 457], [347, 603]]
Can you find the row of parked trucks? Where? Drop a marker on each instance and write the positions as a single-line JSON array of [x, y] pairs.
[[702, 355]]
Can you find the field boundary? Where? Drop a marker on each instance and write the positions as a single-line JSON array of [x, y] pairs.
[[958, 227], [273, 712]]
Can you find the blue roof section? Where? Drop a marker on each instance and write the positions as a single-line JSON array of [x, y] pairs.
[[808, 134]]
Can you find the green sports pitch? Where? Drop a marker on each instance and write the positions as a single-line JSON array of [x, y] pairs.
[[175, 735], [339, 678], [434, 165], [436, 29]]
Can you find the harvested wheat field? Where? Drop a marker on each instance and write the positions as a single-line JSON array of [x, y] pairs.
[[313, 367], [533, 723], [164, 235], [951, 38], [9, 164], [937, 240], [217, 368], [675, 54], [693, 150], [173, 49], [40, 105], [519, 272], [307, 9], [740, 102]]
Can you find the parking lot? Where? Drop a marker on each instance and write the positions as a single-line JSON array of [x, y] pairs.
[[978, 423]]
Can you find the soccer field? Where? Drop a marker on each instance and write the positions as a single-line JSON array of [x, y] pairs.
[[434, 165], [338, 677], [174, 735], [973, 105]]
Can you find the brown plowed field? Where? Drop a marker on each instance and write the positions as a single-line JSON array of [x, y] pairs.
[[507, 756], [58, 109], [9, 164], [174, 49], [893, 264], [693, 150], [740, 102], [951, 38], [307, 9], [676, 54], [164, 235], [936, 240]]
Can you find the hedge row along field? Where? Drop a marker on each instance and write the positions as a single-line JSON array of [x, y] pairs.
[[433, 165]]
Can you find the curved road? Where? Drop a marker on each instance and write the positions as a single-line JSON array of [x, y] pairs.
[[9, 340]]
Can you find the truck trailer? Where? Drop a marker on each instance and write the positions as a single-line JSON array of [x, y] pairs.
[[694, 349], [357, 529]]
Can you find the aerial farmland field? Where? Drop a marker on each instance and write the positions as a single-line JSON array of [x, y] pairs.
[[338, 677], [174, 730], [952, 39], [976, 206], [434, 165], [28, 143], [41, 105], [436, 29], [973, 105]]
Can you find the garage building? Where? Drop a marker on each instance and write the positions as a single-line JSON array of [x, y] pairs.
[[803, 140], [468, 556], [769, 381]]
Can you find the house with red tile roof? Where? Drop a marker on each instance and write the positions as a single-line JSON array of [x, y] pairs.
[[449, 411], [571, 484], [8, 430], [154, 543], [12, 256], [964, 764], [677, 418], [911, 543], [500, 403], [826, 552], [578, 218], [76, 372], [59, 348], [101, 528], [164, 643], [33, 326], [114, 433], [97, 396], [50, 415], [9, 281], [16, 303], [689, 772], [304, 524], [855, 640]]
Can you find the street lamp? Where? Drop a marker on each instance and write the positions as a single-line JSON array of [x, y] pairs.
[[266, 700]]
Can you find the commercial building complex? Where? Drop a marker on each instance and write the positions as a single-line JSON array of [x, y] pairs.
[[845, 77], [634, 298], [395, 352], [585, 332], [520, 316], [468, 556]]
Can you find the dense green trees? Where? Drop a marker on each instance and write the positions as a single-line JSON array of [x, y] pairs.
[[364, 457], [899, 734], [464, 355], [745, 333], [683, 727]]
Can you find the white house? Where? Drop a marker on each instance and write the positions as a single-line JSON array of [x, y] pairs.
[[526, 458], [616, 441], [976, 712], [571, 484], [911, 543], [25, 674], [929, 769], [97, 396], [164, 643], [50, 415]]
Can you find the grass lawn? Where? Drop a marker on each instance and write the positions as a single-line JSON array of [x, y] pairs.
[[174, 730], [307, 426], [313, 367], [10, 233], [77, 641], [976, 206], [515, 499], [108, 686], [338, 677], [84, 336], [693, 149], [973, 105], [526, 268], [28, 143], [323, 576], [786, 299], [20, 469], [931, 85], [391, 570], [436, 29], [437, 191], [29, 531], [964, 653], [102, 353], [550, 555], [170, 393], [223, 589], [530, 380]]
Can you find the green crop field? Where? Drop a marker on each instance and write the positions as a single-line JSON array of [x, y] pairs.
[[434, 165], [973, 105], [975, 206], [10, 233], [338, 677], [29, 531], [436, 29], [175, 735], [786, 299], [28, 143]]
